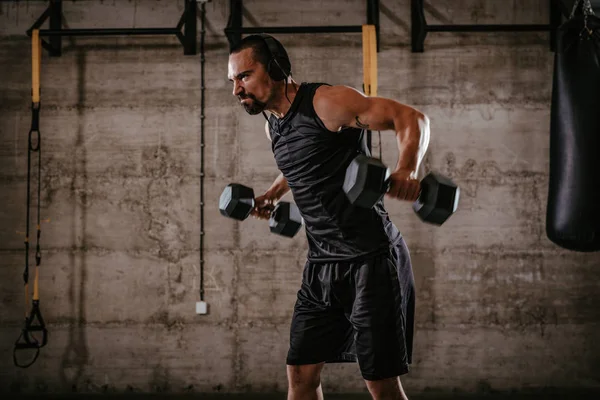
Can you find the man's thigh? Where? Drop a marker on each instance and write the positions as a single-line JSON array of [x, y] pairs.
[[320, 330], [379, 318]]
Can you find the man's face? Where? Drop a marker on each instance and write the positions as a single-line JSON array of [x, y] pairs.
[[251, 83]]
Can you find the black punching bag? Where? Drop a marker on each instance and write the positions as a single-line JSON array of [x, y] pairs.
[[573, 212]]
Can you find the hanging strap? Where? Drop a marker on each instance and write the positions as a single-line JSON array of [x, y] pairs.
[[369, 47], [34, 321]]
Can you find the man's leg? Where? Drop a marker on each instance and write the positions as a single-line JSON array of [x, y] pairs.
[[304, 382], [319, 332], [382, 317], [386, 389]]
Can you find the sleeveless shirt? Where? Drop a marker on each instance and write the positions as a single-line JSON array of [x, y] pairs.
[[313, 160]]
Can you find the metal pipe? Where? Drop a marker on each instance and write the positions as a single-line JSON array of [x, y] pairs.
[[109, 32], [297, 29], [202, 143], [55, 24], [487, 28]]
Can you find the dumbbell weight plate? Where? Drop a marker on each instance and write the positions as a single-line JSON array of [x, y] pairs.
[[236, 201], [438, 199], [365, 182], [285, 219]]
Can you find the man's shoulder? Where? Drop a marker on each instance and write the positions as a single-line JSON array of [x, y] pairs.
[[336, 94]]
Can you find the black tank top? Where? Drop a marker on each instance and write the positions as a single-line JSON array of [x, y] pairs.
[[313, 159]]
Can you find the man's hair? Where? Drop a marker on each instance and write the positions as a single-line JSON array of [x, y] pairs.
[[269, 52], [260, 51]]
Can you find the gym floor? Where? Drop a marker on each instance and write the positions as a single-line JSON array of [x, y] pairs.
[[545, 395]]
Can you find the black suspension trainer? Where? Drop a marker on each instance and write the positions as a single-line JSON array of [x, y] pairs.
[[34, 323]]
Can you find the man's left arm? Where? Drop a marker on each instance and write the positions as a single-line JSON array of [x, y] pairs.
[[341, 106]]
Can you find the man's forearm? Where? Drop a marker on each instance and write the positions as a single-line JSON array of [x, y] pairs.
[[413, 140], [279, 188]]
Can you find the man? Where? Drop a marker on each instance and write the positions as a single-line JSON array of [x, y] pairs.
[[356, 301]]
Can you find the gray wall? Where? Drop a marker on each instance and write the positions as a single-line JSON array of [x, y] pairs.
[[498, 306]]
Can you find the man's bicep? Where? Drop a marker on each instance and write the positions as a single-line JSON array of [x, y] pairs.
[[343, 106], [376, 113]]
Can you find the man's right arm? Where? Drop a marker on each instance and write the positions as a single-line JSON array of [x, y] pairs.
[[265, 203], [278, 189]]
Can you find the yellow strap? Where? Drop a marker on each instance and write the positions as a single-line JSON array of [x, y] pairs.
[[36, 293], [36, 62], [369, 41]]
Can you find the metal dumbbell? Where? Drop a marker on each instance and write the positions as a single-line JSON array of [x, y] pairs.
[[237, 202], [367, 181]]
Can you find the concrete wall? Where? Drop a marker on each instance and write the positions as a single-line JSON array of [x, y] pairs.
[[499, 306]]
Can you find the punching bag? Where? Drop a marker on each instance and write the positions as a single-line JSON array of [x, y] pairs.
[[573, 209]]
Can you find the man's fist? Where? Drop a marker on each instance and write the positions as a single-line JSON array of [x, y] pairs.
[[263, 206], [403, 187]]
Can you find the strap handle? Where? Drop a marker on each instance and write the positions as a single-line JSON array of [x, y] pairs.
[[26, 340]]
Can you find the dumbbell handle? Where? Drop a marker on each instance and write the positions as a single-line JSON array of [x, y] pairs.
[[269, 206], [387, 184]]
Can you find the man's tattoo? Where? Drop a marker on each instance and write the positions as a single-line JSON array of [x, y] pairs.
[[360, 124]]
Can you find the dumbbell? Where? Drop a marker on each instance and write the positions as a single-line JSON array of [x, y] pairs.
[[237, 202], [367, 180]]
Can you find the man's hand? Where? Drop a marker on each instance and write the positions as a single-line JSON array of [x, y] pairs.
[[403, 186], [263, 206]]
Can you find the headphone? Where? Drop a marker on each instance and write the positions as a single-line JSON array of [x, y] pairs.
[[277, 56]]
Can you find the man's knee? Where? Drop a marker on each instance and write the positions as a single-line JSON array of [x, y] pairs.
[[304, 376], [386, 389]]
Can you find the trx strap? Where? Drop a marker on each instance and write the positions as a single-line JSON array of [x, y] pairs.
[[33, 317], [369, 47]]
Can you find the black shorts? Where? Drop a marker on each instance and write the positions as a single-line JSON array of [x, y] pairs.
[[357, 311]]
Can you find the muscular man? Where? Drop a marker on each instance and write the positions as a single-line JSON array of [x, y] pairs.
[[356, 300]]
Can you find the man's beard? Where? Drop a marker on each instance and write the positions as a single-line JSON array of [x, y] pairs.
[[255, 107]]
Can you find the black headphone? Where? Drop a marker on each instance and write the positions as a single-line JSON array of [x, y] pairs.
[[277, 56]]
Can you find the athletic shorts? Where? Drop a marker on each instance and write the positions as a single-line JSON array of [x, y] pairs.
[[357, 311]]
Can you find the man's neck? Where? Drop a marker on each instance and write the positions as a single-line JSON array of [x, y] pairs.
[[281, 105]]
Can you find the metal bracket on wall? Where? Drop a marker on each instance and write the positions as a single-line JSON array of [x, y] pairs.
[[234, 28], [420, 27], [55, 33]]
